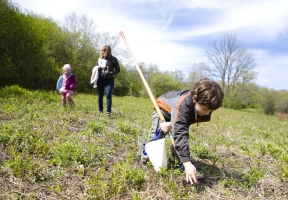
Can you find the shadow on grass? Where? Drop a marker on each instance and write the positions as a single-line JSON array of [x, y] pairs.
[[209, 175]]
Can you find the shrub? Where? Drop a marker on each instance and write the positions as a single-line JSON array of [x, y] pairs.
[[13, 90], [232, 101], [268, 102], [283, 107]]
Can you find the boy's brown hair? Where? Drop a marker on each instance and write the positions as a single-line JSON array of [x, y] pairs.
[[208, 93]]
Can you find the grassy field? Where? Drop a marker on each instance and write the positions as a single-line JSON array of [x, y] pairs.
[[47, 152]]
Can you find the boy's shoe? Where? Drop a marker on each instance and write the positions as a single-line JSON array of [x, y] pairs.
[[108, 114], [181, 168], [142, 163], [174, 156], [170, 163], [144, 157], [94, 86]]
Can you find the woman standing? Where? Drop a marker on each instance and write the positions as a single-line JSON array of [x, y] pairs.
[[106, 77]]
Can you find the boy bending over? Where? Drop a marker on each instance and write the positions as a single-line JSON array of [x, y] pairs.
[[181, 108]]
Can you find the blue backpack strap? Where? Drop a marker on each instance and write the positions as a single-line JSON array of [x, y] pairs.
[[157, 135], [143, 150]]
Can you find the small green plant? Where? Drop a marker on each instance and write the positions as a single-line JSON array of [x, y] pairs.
[[227, 182], [55, 190], [285, 173], [26, 168], [250, 178], [275, 150], [201, 151], [262, 148], [97, 126], [214, 159], [65, 153], [171, 186], [5, 134], [124, 178], [135, 196], [128, 128], [20, 166], [284, 157], [96, 185], [93, 152]]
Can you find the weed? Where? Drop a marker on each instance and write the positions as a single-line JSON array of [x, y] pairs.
[[215, 159], [128, 128], [171, 186], [250, 178], [284, 157], [65, 153], [135, 196], [227, 182], [96, 185], [285, 173], [20, 166], [262, 148], [201, 151], [275, 150], [97, 126], [124, 178], [92, 153]]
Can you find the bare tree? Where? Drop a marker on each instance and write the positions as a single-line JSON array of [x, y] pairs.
[[177, 75], [108, 38], [197, 72], [83, 25], [114, 42], [230, 62]]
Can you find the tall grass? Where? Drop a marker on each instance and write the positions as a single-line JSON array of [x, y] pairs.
[[48, 152]]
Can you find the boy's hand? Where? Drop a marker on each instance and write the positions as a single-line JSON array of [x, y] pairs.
[[190, 172], [165, 127]]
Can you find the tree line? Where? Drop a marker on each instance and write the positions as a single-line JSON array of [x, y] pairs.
[[33, 49]]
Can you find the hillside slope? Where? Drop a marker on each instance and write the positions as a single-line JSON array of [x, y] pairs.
[[52, 153]]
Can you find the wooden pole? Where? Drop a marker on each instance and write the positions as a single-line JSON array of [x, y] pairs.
[[145, 83], [143, 79]]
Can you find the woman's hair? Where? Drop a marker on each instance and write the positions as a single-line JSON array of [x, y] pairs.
[[208, 93], [105, 51]]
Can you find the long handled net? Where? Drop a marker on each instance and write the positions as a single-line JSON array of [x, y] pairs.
[[145, 82], [143, 79]]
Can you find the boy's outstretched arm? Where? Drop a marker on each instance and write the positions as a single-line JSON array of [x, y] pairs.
[[191, 172]]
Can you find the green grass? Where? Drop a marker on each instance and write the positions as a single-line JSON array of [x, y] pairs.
[[47, 152]]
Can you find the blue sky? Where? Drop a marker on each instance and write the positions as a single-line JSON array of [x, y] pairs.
[[175, 33]]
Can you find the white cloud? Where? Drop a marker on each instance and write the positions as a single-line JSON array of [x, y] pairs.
[[272, 70]]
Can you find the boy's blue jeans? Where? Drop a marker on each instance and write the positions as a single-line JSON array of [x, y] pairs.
[[101, 84]]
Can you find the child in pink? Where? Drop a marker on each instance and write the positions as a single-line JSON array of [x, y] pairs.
[[66, 84]]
